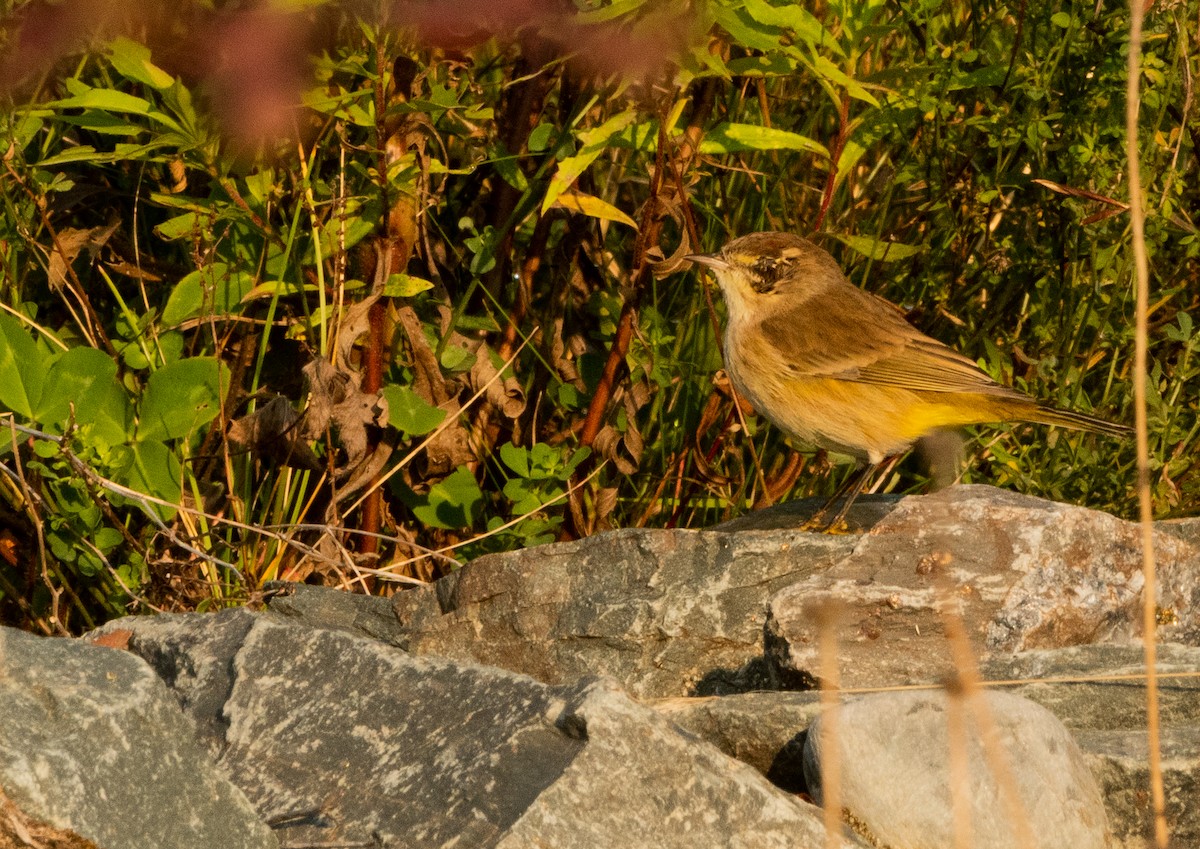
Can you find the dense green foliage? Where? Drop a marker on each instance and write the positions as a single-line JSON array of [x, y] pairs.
[[443, 206]]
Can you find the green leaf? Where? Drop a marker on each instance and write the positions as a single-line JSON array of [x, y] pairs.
[[594, 142], [103, 122], [730, 138], [104, 98], [212, 290], [746, 31], [21, 368], [593, 207], [177, 227], [181, 397], [82, 153], [792, 16], [450, 503], [150, 467], [86, 378], [774, 65], [831, 72], [405, 286], [612, 11], [516, 458], [408, 412], [132, 61], [878, 250]]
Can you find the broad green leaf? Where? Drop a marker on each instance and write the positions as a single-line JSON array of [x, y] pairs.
[[282, 288], [541, 137], [593, 207], [450, 503], [177, 227], [150, 467], [212, 290], [132, 61], [879, 250], [409, 412], [730, 138], [594, 142], [181, 397], [81, 153], [516, 458], [25, 128], [746, 31], [86, 378], [986, 77], [21, 368], [792, 16], [774, 65], [103, 122]]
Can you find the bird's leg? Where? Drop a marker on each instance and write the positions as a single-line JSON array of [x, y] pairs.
[[850, 489]]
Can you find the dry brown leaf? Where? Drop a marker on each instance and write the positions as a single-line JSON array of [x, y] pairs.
[[272, 432], [116, 639], [505, 394], [70, 243], [337, 406]]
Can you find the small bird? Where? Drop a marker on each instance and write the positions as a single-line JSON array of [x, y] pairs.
[[841, 368]]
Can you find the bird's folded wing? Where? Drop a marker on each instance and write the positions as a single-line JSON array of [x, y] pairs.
[[862, 338]]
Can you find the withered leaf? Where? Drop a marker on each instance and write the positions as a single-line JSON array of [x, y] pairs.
[[338, 407], [70, 243], [503, 393], [271, 431]]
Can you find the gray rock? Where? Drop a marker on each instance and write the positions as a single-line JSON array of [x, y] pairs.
[[1026, 573], [326, 607], [1099, 694], [866, 512], [764, 730], [92, 743], [896, 783], [341, 739], [665, 613]]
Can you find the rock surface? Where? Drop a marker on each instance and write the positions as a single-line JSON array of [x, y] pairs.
[[1099, 693], [94, 751], [340, 740], [664, 613], [336, 735], [1025, 574], [1022, 781]]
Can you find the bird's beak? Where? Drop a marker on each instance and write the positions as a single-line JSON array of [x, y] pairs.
[[713, 261]]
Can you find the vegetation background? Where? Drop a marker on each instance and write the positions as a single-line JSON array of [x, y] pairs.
[[354, 292]]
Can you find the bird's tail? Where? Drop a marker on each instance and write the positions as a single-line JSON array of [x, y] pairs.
[[1045, 414]]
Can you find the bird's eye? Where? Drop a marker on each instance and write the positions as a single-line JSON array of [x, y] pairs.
[[768, 270]]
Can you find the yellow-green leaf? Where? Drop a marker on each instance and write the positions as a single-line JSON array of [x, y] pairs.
[[593, 207], [404, 286], [878, 250], [132, 61], [730, 138], [594, 142]]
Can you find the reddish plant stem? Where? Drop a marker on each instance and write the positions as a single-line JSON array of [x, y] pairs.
[[835, 153], [649, 232]]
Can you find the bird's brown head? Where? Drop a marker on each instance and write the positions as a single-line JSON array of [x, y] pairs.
[[757, 265]]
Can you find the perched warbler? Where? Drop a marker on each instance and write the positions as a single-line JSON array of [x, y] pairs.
[[840, 368]]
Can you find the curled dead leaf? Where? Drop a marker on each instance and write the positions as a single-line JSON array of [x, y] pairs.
[[69, 243], [338, 407], [503, 393], [271, 431]]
